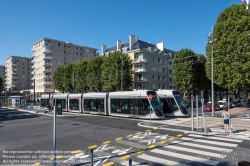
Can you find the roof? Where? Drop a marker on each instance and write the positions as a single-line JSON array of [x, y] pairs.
[[140, 45]]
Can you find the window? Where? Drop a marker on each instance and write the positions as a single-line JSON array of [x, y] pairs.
[[87, 50], [59, 63], [159, 69], [154, 78], [159, 60], [153, 86], [170, 87], [174, 87], [170, 79], [164, 78], [159, 86], [164, 70], [164, 86], [170, 63], [68, 46], [153, 68], [59, 56], [170, 71], [153, 59], [159, 78], [59, 44], [59, 51]]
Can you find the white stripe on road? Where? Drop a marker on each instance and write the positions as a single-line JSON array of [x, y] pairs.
[[186, 157], [216, 138], [201, 146], [210, 142], [200, 152], [126, 163], [159, 160]]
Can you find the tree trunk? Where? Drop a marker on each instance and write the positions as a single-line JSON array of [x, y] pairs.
[[245, 96]]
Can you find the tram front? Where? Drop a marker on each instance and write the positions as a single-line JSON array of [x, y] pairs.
[[155, 104]]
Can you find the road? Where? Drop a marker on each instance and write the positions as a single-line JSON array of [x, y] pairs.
[[28, 139]]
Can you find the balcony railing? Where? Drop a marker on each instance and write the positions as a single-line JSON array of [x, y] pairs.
[[47, 57], [140, 79], [14, 73], [47, 82], [140, 60], [140, 69], [47, 70], [47, 50], [47, 76], [47, 64]]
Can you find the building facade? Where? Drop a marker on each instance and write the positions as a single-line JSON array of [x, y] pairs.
[[17, 74], [48, 54], [152, 63], [2, 75]]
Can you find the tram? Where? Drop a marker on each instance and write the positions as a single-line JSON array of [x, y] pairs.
[[172, 103], [132, 104]]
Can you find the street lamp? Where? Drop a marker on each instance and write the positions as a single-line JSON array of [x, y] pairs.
[[211, 41]]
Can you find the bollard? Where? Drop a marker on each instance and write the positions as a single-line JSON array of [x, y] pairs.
[[91, 157], [205, 128], [130, 162]]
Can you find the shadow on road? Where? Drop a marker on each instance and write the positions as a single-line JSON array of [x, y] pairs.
[[7, 115]]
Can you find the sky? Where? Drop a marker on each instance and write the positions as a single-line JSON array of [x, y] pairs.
[[177, 23]]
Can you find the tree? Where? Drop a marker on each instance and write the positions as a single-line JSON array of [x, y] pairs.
[[185, 73], [68, 81], [94, 73], [231, 49], [58, 78], [111, 71], [80, 70]]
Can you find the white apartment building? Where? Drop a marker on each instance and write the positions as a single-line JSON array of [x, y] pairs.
[[2, 75], [152, 63], [48, 54], [17, 74]]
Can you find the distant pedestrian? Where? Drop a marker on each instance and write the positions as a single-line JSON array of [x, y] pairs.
[[243, 163], [226, 117]]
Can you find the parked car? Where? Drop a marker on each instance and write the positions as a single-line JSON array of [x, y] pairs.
[[209, 106], [237, 103], [223, 104]]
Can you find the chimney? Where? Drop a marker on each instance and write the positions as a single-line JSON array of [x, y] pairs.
[[118, 44], [103, 49], [132, 40], [160, 46]]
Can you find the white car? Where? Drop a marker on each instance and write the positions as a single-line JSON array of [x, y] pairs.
[[223, 104]]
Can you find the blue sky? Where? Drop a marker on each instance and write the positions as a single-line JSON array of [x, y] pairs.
[[178, 23]]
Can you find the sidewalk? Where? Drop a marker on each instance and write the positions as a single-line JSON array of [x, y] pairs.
[[241, 126]]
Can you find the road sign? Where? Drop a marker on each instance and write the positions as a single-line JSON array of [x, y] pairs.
[[150, 97]]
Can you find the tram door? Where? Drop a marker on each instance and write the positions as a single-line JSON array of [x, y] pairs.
[[134, 108]]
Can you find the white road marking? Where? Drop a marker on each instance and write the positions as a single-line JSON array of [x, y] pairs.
[[210, 142], [216, 138]]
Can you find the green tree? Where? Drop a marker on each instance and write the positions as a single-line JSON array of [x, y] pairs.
[[80, 71], [94, 73], [111, 71], [58, 78], [231, 55], [68, 83], [185, 72]]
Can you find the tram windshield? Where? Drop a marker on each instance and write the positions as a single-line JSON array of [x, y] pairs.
[[155, 103], [178, 99]]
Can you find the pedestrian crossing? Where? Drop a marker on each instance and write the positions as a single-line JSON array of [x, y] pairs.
[[153, 148]]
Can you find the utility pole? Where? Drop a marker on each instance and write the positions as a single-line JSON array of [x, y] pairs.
[[211, 41], [121, 73]]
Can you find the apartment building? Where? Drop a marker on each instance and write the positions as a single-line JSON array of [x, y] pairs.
[[2, 75], [48, 54], [152, 63], [17, 74]]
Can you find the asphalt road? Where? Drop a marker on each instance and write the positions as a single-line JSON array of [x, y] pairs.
[[28, 137]]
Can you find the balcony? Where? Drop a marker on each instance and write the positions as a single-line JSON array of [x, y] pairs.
[[14, 72], [47, 70], [139, 70], [33, 72], [47, 57], [47, 45], [14, 69], [32, 60], [14, 86], [14, 64], [46, 76], [46, 50], [47, 82], [47, 64], [140, 79], [140, 60], [14, 78]]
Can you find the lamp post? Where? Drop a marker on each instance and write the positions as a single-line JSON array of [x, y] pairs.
[[121, 72], [211, 41]]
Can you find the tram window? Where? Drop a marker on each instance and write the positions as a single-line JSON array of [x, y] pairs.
[[145, 106], [94, 105], [44, 102], [119, 106], [74, 104], [61, 102]]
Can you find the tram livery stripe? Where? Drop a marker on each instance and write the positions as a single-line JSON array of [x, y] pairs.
[[200, 146], [216, 138], [186, 157], [210, 142], [159, 160]]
